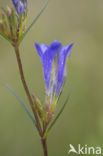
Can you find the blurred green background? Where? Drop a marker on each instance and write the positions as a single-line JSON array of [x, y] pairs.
[[78, 21]]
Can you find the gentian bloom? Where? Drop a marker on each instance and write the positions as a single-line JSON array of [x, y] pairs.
[[53, 59], [20, 6], [47, 55]]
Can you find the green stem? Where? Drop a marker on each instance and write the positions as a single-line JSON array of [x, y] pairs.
[[43, 140], [26, 89]]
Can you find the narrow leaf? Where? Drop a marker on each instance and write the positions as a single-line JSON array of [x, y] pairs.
[[58, 115], [22, 104], [35, 19]]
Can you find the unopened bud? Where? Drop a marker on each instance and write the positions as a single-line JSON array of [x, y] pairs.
[[37, 103], [50, 113], [8, 11], [41, 110], [1, 21], [0, 14]]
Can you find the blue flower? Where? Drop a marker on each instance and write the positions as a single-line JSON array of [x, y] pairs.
[[48, 55], [20, 6]]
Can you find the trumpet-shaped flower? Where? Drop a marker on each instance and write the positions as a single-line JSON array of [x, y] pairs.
[[59, 55], [47, 55], [20, 6]]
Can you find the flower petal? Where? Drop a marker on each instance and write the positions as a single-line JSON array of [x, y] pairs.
[[47, 55], [15, 2], [61, 65], [20, 6], [54, 47], [41, 48]]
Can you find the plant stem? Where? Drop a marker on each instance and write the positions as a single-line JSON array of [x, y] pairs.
[[30, 99], [26, 89], [44, 146]]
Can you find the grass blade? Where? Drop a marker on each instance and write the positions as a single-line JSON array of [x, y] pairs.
[[22, 104]]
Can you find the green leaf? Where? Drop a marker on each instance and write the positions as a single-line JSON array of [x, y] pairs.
[[58, 115], [35, 19], [22, 104]]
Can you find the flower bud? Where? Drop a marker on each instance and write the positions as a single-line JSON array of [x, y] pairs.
[[50, 113], [12, 26], [1, 18], [8, 11], [20, 6], [38, 106], [0, 14]]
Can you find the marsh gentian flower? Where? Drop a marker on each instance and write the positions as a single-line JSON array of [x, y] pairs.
[[47, 55], [54, 58], [20, 6]]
